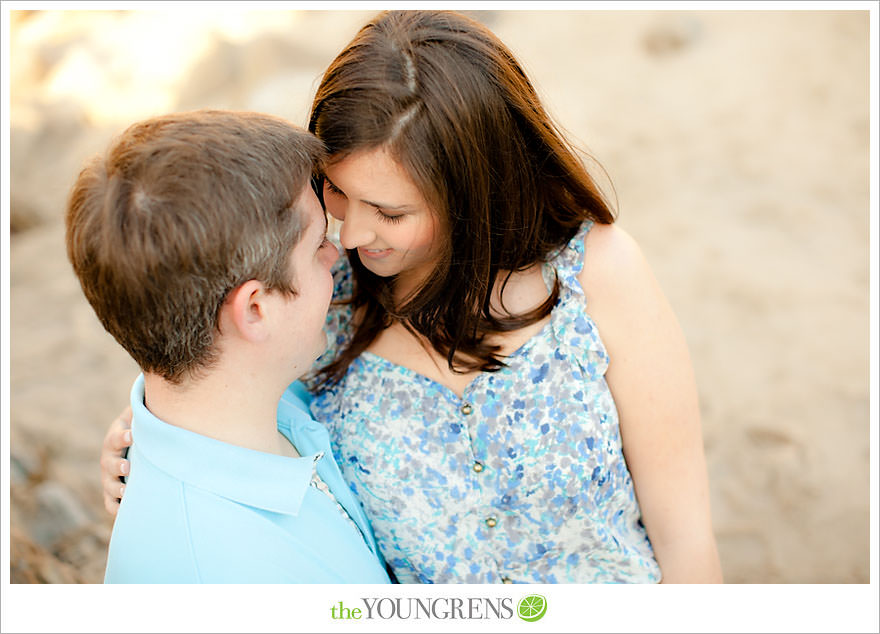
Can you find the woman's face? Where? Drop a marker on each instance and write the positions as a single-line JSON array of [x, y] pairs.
[[384, 215]]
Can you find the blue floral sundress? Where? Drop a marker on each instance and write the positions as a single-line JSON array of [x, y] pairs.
[[522, 480]]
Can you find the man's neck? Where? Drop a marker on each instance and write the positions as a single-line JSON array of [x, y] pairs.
[[236, 408]]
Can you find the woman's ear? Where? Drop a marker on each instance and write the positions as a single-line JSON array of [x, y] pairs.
[[245, 311]]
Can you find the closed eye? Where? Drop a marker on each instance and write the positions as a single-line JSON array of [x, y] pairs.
[[388, 218], [333, 189], [383, 216]]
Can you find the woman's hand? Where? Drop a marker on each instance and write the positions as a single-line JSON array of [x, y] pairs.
[[114, 466]]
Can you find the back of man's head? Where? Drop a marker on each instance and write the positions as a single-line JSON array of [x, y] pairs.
[[181, 210]]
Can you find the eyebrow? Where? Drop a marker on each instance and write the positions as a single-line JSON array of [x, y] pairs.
[[376, 204]]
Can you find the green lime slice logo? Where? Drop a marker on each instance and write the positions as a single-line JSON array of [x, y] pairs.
[[532, 607]]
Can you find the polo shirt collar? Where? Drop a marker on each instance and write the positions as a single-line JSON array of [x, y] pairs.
[[259, 479]]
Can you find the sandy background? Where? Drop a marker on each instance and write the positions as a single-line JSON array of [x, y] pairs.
[[738, 146]]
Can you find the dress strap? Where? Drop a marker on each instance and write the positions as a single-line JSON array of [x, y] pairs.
[[574, 330], [568, 261]]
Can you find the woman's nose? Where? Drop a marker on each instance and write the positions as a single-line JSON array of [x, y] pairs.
[[356, 231]]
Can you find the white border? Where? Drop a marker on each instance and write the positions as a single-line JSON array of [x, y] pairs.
[[572, 608], [4, 293]]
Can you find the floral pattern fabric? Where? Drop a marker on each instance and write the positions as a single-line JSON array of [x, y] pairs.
[[521, 480]]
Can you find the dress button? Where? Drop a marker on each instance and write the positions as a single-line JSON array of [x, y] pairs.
[[491, 522], [466, 409], [506, 580], [478, 467]]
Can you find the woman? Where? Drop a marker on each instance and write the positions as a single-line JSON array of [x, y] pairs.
[[489, 431]]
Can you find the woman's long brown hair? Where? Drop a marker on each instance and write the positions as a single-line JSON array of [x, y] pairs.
[[447, 98]]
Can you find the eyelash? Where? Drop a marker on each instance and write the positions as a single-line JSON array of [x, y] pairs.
[[333, 188], [382, 215], [389, 219]]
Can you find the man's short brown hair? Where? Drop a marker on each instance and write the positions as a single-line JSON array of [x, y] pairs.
[[181, 210]]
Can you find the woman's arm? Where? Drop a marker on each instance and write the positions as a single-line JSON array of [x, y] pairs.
[[113, 463], [652, 381]]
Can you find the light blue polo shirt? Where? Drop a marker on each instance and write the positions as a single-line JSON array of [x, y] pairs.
[[197, 510]]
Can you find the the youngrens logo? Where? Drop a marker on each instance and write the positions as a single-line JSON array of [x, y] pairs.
[[530, 608]]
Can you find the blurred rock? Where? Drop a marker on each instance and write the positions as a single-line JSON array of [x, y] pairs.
[[86, 551], [671, 34], [57, 515], [230, 74], [32, 563], [48, 145], [27, 466], [23, 215]]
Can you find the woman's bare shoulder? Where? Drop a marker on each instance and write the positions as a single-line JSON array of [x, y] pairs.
[[614, 265]]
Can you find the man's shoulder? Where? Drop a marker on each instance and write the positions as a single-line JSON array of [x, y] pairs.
[[151, 538], [169, 531]]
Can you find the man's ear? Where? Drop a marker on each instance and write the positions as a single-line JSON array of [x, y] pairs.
[[245, 311]]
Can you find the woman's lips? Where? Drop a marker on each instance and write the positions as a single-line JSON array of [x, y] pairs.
[[374, 254]]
